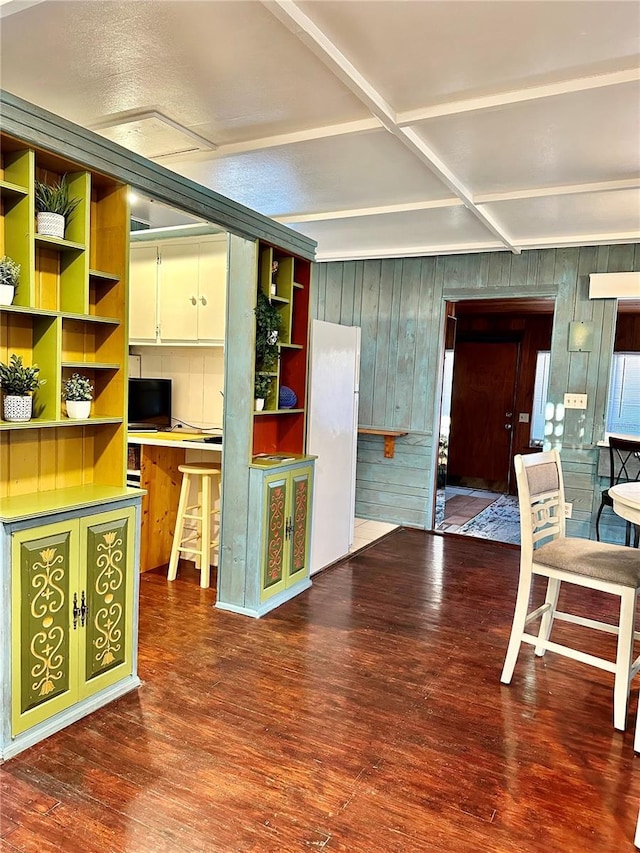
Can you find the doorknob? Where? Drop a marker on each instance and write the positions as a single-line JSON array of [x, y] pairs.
[[193, 300], [203, 300], [508, 414], [508, 426]]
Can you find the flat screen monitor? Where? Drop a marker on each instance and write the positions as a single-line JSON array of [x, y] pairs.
[[149, 404]]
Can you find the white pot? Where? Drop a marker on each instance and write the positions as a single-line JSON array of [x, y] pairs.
[[78, 409], [16, 408], [7, 292], [51, 224], [259, 404]]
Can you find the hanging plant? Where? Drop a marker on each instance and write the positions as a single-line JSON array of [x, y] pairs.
[[268, 325]]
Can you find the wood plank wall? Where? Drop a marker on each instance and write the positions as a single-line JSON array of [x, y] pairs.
[[400, 306]]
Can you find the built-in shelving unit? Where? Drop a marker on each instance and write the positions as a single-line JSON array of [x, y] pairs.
[[69, 315], [277, 429]]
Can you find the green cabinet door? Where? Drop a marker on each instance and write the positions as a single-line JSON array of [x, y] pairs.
[[275, 534], [286, 529], [300, 524], [106, 549], [44, 653], [72, 612]]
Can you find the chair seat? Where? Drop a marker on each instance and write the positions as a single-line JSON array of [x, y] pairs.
[[606, 497], [599, 560]]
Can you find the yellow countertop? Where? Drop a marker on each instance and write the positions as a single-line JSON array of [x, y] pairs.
[[193, 440]]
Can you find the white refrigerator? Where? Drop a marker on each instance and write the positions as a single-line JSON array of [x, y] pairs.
[[334, 373]]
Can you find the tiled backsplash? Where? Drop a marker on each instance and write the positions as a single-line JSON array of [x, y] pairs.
[[198, 380]]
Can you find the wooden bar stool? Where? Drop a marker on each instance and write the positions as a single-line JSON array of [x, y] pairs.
[[198, 542]]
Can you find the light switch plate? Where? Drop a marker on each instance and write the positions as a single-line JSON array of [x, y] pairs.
[[575, 401], [523, 418]]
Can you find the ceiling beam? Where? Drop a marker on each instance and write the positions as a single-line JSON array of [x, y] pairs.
[[308, 135], [11, 7], [486, 198], [427, 250], [566, 189], [295, 20], [516, 96], [599, 239], [380, 210]]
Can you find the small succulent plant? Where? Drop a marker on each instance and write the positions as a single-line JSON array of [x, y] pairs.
[[17, 379], [77, 387], [9, 271]]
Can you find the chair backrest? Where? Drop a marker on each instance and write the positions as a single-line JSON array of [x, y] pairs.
[[622, 453], [540, 498]]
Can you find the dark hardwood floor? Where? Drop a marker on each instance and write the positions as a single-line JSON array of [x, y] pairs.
[[366, 715]]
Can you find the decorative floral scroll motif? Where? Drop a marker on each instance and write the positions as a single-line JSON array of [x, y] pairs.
[[299, 525], [45, 644], [275, 543], [107, 620]]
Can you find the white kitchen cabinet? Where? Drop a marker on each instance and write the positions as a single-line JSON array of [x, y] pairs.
[[178, 292], [143, 294]]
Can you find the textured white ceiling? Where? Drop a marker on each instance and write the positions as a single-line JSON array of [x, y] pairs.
[[378, 128]]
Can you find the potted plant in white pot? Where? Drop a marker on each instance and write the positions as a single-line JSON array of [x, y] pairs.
[[54, 208], [77, 391], [9, 279], [261, 386], [18, 383]]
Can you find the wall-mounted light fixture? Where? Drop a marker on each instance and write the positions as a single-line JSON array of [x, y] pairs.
[[614, 285], [581, 336]]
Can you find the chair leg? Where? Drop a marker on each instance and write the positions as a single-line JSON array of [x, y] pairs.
[[172, 573], [602, 506], [517, 628], [205, 532], [546, 624], [624, 657]]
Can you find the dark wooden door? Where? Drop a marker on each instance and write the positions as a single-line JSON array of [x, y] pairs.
[[482, 412]]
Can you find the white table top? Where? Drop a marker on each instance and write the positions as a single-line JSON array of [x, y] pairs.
[[626, 501]]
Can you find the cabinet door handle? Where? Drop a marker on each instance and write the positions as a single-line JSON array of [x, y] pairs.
[[194, 301], [203, 300], [76, 611], [84, 610]]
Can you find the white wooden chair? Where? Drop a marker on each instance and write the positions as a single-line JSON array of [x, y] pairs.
[[546, 551]]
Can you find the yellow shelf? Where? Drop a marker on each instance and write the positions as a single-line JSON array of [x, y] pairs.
[[36, 423], [66, 315], [37, 504], [8, 189], [107, 276], [61, 245], [93, 365], [278, 412]]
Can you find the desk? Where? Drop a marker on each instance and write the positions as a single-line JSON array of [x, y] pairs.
[[626, 502], [160, 453]]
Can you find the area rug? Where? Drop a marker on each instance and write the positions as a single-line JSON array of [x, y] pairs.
[[500, 521], [460, 509]]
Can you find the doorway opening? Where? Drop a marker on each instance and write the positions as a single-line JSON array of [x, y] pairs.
[[496, 370]]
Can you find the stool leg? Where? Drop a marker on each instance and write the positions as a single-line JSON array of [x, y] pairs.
[[205, 532], [177, 536]]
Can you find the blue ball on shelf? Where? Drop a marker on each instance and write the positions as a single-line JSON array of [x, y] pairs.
[[287, 398]]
